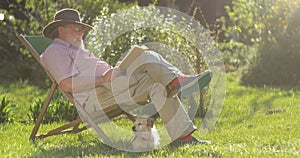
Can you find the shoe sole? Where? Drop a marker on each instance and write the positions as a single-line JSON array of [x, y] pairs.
[[196, 84]]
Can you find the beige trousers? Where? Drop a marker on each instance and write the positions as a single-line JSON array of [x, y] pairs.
[[146, 79]]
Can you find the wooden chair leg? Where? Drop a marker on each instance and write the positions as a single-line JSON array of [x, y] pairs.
[[131, 117], [43, 111], [64, 129], [76, 126]]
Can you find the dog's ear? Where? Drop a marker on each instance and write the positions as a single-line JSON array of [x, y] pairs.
[[150, 122]]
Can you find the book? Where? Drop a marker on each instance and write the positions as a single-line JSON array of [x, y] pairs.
[[132, 54]]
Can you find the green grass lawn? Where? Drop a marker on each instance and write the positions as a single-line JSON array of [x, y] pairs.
[[255, 122]]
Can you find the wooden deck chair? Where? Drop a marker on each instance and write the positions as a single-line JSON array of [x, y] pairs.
[[37, 45]]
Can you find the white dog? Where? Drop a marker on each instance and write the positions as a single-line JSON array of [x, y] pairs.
[[145, 135]]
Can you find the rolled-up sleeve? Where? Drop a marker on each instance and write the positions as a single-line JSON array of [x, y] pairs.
[[58, 61]]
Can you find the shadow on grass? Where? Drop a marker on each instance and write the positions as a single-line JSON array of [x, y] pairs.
[[98, 149], [81, 149], [91, 148]]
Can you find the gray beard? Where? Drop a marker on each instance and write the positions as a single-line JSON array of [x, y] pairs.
[[77, 44]]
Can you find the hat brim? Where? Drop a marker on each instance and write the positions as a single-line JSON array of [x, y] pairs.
[[47, 31]]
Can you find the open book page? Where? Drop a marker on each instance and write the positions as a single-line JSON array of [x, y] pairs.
[[132, 54]]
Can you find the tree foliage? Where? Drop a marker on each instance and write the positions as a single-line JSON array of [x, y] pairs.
[[115, 33], [242, 30]]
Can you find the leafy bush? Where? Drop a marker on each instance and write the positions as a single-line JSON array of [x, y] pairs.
[[35, 109], [115, 33], [59, 110], [278, 57], [64, 109], [6, 110], [241, 29], [262, 41]]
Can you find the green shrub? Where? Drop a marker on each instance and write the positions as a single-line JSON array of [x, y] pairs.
[[58, 110], [35, 109], [6, 110], [279, 56], [242, 28], [64, 109], [262, 41]]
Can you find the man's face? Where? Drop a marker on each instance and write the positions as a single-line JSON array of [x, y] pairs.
[[73, 34]]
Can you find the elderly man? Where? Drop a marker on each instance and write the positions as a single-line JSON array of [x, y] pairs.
[[77, 70]]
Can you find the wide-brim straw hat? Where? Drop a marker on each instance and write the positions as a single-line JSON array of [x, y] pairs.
[[64, 17]]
